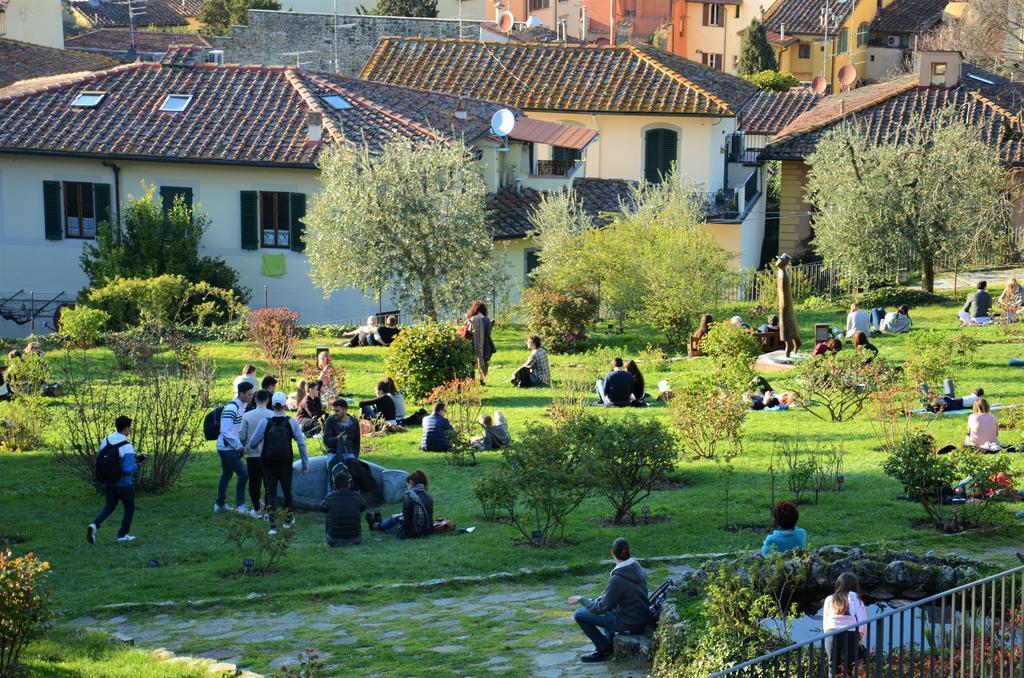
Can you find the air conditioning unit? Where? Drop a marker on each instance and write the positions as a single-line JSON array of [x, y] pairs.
[[892, 41], [215, 56]]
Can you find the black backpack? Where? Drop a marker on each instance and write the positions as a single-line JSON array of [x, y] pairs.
[[657, 600], [277, 441], [108, 462], [211, 423]]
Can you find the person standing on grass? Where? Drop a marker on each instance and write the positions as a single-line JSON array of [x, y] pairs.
[[122, 490], [479, 328], [230, 450], [622, 607], [275, 434], [250, 420]]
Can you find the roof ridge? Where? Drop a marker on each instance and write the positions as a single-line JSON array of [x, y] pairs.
[[993, 105], [293, 78], [680, 79], [911, 82], [73, 78]]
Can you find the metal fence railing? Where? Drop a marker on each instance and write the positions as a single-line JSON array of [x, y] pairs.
[[974, 630]]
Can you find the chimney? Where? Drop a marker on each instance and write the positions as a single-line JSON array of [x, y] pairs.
[[460, 110], [939, 69], [315, 123]]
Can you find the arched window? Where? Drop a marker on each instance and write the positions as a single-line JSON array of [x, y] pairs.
[[660, 151]]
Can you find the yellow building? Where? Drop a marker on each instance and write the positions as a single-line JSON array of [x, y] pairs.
[[37, 22], [713, 31], [819, 37]]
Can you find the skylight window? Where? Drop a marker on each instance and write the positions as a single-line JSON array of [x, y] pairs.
[[88, 99], [176, 103], [972, 76], [337, 102]]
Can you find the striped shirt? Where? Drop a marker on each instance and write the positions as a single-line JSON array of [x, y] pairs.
[[230, 420]]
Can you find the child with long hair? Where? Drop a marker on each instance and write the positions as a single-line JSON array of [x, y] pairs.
[[843, 609]]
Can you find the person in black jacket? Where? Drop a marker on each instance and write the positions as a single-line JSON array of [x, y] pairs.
[[623, 607], [417, 516], [382, 407], [344, 506], [616, 389]]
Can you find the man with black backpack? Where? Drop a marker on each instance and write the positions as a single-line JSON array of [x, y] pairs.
[[115, 471], [276, 434]]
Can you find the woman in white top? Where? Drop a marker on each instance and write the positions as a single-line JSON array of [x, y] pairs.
[[398, 398], [845, 609], [982, 427], [857, 320]]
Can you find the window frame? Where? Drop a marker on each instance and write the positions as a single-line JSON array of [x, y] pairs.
[[535, 5], [713, 60], [842, 41], [184, 106], [277, 227], [713, 15], [332, 99], [803, 50], [79, 193], [99, 97], [863, 34]]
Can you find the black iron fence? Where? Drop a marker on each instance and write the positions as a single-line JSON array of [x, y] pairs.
[[555, 168], [974, 630]]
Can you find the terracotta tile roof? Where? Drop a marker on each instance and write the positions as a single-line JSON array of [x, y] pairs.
[[909, 16], [881, 110], [553, 134], [157, 12], [769, 112], [21, 61], [238, 115], [776, 39], [804, 16], [530, 34], [510, 210], [118, 40], [547, 77], [183, 55]]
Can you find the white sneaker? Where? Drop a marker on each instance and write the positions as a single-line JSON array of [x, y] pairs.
[[127, 537], [225, 507], [90, 534], [255, 514], [273, 532], [243, 509]]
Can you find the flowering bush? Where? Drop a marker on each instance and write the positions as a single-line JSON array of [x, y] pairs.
[[841, 382], [422, 357], [24, 603], [559, 317], [275, 331]]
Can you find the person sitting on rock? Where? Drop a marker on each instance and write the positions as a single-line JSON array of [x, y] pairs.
[[788, 536], [622, 608], [344, 507]]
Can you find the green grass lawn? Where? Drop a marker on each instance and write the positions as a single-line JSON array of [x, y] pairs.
[[47, 509]]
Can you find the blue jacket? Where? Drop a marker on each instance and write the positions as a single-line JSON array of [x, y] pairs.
[[436, 434], [127, 452], [781, 541]]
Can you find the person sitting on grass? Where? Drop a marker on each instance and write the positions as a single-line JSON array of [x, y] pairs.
[[982, 427], [833, 345], [437, 430], [639, 394], [702, 331], [385, 335], [380, 409], [297, 396], [771, 326], [844, 609], [398, 398], [896, 322], [496, 435], [978, 307], [344, 506], [616, 389], [788, 536], [622, 608], [861, 344], [1011, 300], [311, 410], [33, 348], [275, 434], [536, 371], [417, 516], [857, 320], [364, 335], [5, 390]]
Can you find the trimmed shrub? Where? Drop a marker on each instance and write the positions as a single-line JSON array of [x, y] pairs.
[[81, 325], [422, 357], [25, 604], [493, 493], [165, 300], [559, 317], [773, 81], [21, 423], [734, 349], [893, 296]]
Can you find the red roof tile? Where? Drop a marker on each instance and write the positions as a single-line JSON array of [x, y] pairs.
[[558, 77], [510, 210], [553, 133], [804, 16], [22, 61], [120, 40], [156, 12], [909, 16], [769, 112]]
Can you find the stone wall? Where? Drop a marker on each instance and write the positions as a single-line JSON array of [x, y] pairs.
[[270, 36]]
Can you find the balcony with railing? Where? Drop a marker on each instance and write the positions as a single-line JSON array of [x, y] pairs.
[[745, 148], [555, 168], [732, 204]]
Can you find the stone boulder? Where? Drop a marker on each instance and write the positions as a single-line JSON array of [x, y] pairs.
[[309, 489]]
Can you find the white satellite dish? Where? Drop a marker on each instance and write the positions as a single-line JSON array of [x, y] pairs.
[[533, 22], [502, 122]]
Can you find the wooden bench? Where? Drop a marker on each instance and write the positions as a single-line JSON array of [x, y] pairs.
[[770, 341]]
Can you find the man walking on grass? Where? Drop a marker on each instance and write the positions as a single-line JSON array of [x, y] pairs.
[[229, 448], [115, 469], [250, 420], [275, 434]]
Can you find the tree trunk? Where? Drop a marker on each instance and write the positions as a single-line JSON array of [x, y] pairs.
[[928, 275], [429, 306]]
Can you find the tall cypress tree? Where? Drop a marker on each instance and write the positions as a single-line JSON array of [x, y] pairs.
[[756, 54]]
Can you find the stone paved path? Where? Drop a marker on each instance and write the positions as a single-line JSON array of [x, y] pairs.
[[513, 629]]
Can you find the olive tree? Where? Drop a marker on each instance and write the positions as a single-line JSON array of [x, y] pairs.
[[410, 219]]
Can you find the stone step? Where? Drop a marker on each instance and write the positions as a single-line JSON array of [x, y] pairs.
[[635, 647]]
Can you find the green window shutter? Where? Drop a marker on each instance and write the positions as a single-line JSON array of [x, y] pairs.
[[250, 221], [101, 201], [298, 211], [169, 193], [53, 212], [660, 150]]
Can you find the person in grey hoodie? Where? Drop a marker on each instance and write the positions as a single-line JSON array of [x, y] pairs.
[[623, 607], [496, 435]]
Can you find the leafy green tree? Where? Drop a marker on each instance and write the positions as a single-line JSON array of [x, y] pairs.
[[938, 191], [151, 242], [418, 8], [218, 15], [561, 227], [773, 81], [756, 54], [411, 220]]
